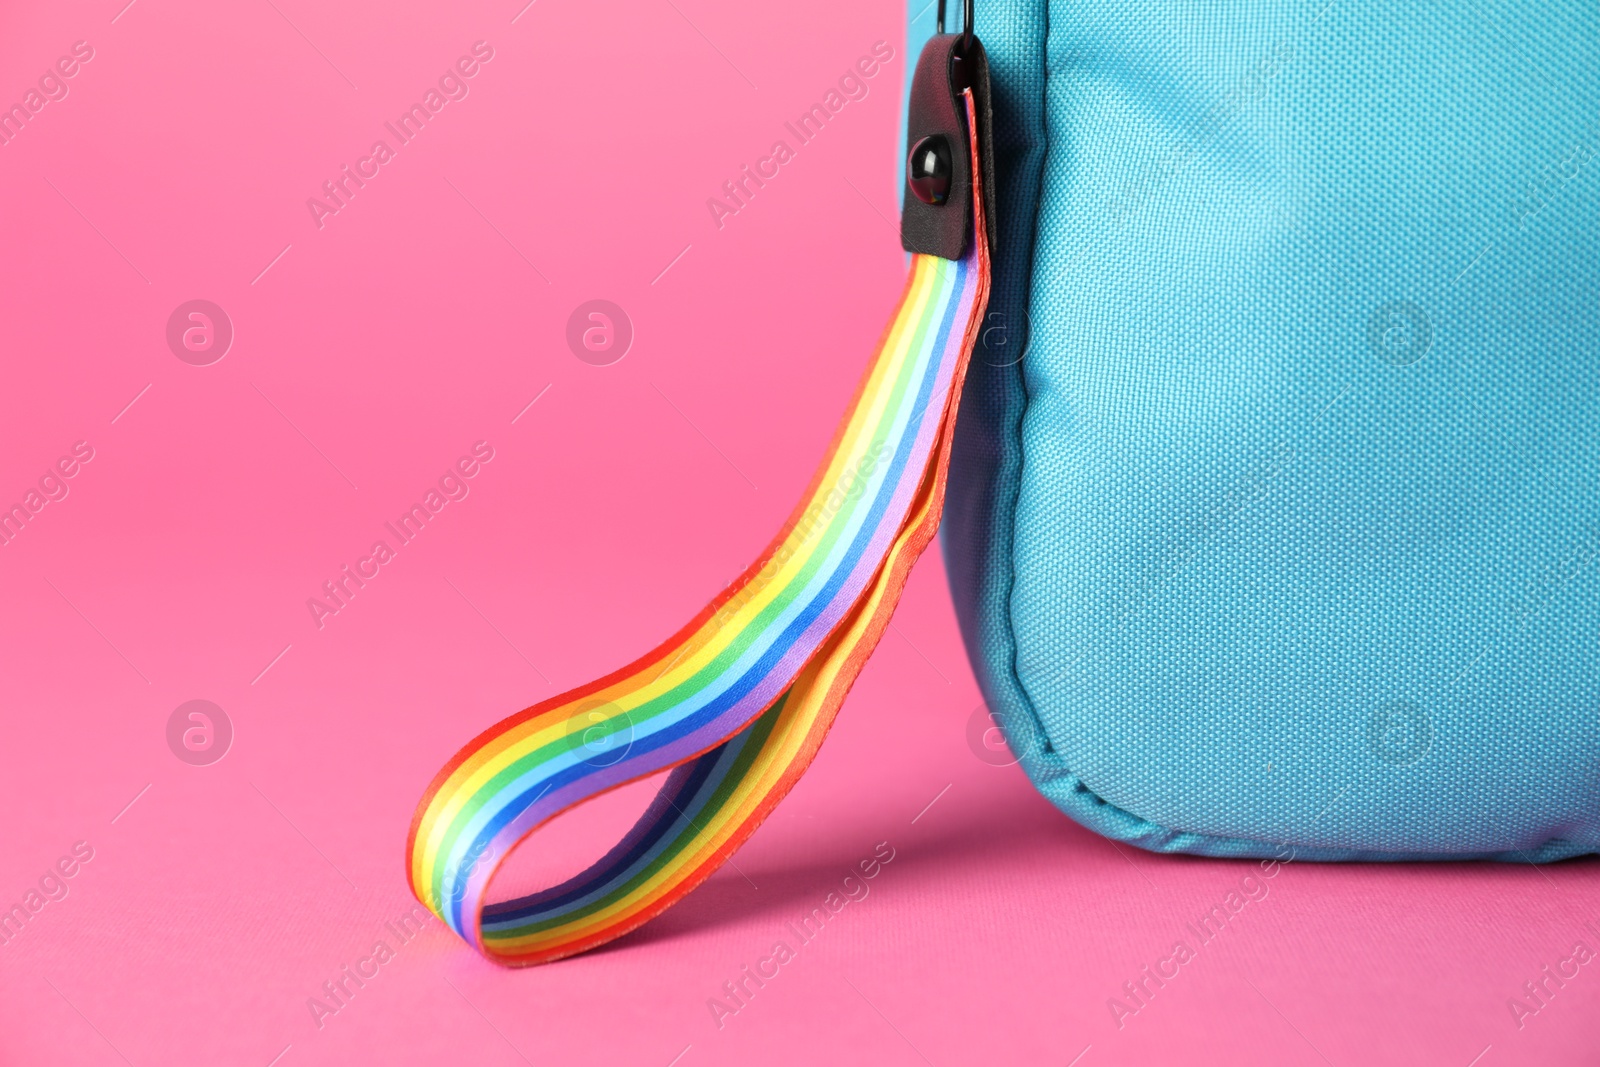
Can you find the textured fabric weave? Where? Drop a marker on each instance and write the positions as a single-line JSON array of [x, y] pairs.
[[1286, 528]]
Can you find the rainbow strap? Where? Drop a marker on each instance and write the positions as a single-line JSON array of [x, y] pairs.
[[739, 700]]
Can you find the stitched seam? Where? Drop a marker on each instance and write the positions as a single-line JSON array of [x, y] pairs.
[[1056, 757], [1022, 383]]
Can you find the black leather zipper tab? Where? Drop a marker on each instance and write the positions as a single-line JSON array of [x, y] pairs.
[[936, 218]]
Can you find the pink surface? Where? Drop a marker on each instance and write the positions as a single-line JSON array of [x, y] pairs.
[[372, 352]]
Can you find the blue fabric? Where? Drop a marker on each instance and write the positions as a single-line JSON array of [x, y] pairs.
[[1285, 529]]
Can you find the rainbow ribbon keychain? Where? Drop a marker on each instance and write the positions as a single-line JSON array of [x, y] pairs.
[[739, 701]]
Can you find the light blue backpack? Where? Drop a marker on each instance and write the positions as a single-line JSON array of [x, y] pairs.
[[1274, 516]]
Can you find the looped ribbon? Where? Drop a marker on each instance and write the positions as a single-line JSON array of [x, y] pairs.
[[739, 700]]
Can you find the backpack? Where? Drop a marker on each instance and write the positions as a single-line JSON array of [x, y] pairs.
[[1274, 509], [1250, 361]]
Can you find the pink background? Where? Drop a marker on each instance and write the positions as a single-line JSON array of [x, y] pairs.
[[423, 317]]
